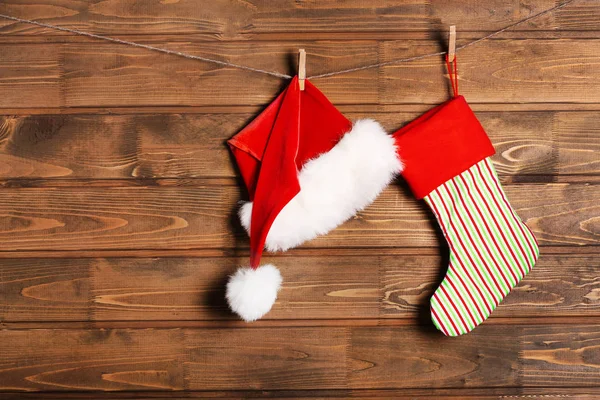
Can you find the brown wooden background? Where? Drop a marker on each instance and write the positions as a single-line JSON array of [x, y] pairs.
[[117, 219]]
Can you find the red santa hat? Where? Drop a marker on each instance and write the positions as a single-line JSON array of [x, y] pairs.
[[307, 169]]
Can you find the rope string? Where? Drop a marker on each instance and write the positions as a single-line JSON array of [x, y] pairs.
[[148, 47], [441, 53], [275, 73]]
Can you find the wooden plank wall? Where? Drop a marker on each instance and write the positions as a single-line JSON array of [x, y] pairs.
[[117, 219]]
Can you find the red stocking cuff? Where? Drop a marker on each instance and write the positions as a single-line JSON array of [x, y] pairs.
[[441, 144]]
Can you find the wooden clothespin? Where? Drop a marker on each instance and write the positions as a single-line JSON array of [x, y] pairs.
[[302, 68], [452, 43]]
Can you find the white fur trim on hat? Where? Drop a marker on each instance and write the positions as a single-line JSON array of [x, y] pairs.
[[252, 292], [334, 186]]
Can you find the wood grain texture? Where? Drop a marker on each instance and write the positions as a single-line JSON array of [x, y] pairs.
[[112, 75], [92, 360], [205, 217], [323, 287], [297, 358], [33, 77], [494, 71], [118, 226], [529, 144], [226, 20]]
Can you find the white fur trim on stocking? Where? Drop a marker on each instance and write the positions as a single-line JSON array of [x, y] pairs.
[[334, 186]]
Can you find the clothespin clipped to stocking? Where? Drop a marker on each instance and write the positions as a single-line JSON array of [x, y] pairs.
[[451, 59], [452, 43], [302, 68]]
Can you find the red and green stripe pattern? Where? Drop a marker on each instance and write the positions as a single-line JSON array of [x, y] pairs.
[[491, 249]]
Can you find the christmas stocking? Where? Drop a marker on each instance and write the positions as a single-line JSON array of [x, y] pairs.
[[446, 157]]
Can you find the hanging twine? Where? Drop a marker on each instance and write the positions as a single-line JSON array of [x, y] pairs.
[[274, 73]]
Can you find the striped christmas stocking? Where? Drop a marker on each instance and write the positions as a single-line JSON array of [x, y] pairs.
[[445, 153]]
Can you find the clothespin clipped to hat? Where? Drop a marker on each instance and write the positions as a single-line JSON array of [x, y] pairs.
[[301, 68], [452, 43]]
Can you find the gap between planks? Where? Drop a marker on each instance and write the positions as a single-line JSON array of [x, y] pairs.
[[47, 38], [485, 393], [234, 323], [244, 252], [253, 109], [42, 183]]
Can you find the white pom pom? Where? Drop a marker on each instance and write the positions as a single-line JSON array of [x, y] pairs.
[[251, 293]]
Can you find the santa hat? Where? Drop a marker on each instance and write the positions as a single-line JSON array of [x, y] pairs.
[[307, 169]]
